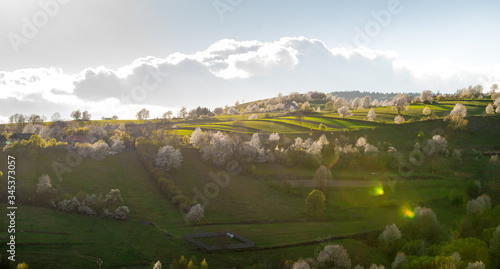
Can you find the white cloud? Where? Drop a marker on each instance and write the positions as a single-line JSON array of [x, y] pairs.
[[227, 71]]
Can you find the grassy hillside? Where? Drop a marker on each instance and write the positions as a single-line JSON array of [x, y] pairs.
[[253, 204]]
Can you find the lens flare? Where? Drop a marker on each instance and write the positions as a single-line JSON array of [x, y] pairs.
[[406, 212], [378, 189], [409, 214]]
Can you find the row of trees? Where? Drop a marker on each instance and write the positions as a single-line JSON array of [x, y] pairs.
[[219, 148], [109, 206]]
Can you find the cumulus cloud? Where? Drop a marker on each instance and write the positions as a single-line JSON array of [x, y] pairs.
[[226, 71]]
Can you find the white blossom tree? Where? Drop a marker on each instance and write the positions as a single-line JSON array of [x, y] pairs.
[[390, 237], [118, 145], [356, 102], [476, 265], [340, 102], [436, 145], [367, 100], [274, 137], [334, 256], [485, 200], [44, 184], [301, 264], [120, 213], [168, 157], [97, 131], [426, 97], [426, 111], [196, 137], [490, 110], [196, 213], [344, 112], [371, 115], [495, 243], [233, 111], [323, 140], [459, 110], [99, 150], [399, 102], [399, 119], [157, 265], [253, 117], [399, 261], [219, 148]]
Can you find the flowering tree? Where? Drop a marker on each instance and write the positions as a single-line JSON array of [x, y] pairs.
[[157, 265], [399, 102], [400, 261], [99, 150], [233, 111], [344, 112], [219, 149], [334, 256], [426, 97], [97, 131], [476, 265], [196, 213], [436, 145], [274, 137], [389, 238], [495, 243], [168, 157], [44, 184], [426, 111], [118, 145], [253, 117], [459, 110], [340, 102], [371, 115], [367, 100], [399, 119], [490, 110], [301, 264]]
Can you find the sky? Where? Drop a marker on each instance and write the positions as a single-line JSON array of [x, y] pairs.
[[115, 57]]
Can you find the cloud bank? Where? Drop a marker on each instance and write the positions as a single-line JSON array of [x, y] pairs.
[[227, 71]]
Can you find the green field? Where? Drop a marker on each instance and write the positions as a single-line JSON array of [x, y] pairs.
[[253, 204]]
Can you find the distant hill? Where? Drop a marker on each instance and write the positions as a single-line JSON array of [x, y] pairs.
[[348, 95]]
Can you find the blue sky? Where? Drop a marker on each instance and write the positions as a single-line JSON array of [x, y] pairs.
[[96, 47]]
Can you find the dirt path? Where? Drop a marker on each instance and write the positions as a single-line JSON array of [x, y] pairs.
[[336, 183]]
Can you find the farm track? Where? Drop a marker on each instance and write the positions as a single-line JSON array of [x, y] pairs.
[[358, 236]]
